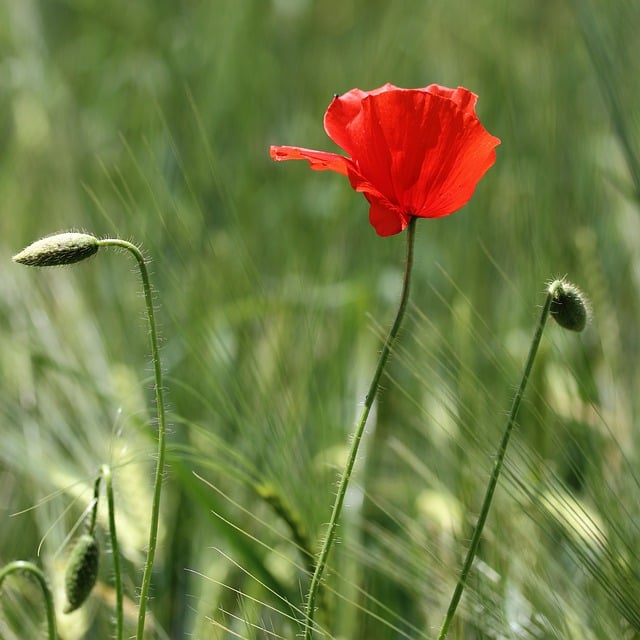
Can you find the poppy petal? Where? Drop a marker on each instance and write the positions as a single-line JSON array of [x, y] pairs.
[[340, 117], [465, 99], [424, 150], [318, 160], [386, 221], [464, 153]]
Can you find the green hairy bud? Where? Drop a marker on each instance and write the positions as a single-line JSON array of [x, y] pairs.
[[82, 571], [59, 249], [569, 306]]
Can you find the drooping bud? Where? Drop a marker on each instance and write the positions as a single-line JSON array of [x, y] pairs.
[[58, 249], [82, 571], [569, 307]]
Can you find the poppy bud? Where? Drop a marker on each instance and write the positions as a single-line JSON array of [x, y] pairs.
[[61, 248], [569, 307], [82, 571]]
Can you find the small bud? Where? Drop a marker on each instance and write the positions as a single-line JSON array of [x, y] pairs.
[[82, 571], [569, 307], [61, 248]]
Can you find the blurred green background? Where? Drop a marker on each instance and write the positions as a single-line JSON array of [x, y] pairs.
[[151, 121]]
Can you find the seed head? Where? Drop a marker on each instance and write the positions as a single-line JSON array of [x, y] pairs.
[[61, 248]]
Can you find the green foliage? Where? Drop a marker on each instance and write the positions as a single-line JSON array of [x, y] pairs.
[[151, 122]]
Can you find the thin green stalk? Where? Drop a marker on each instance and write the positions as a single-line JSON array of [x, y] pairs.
[[357, 437], [105, 471], [94, 509], [497, 465], [29, 567], [160, 410]]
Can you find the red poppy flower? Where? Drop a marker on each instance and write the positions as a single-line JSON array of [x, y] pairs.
[[411, 152]]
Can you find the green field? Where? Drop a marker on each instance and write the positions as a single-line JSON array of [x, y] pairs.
[[151, 122]]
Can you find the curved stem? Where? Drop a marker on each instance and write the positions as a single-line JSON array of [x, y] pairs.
[[497, 467], [160, 410], [94, 509], [115, 550], [29, 567], [357, 437]]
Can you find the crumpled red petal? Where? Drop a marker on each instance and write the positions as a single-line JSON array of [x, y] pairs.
[[465, 99], [385, 220], [318, 160]]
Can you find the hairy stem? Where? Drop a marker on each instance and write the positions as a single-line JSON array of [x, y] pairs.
[[105, 472], [497, 468], [357, 437], [29, 567], [160, 411]]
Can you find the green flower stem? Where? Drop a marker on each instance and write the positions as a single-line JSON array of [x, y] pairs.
[[105, 472], [160, 410], [94, 510], [357, 437], [29, 567], [497, 465]]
